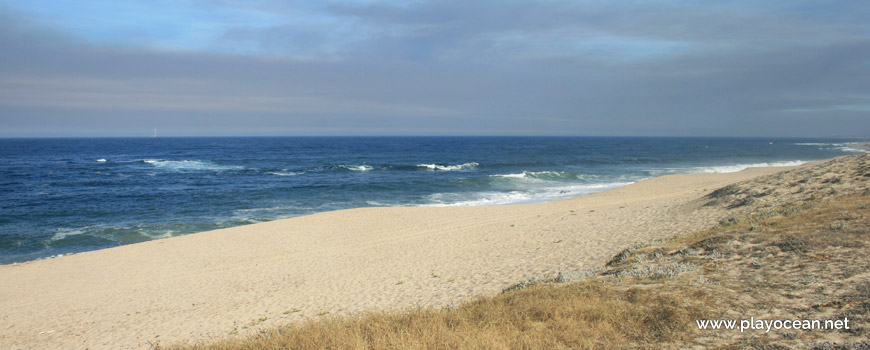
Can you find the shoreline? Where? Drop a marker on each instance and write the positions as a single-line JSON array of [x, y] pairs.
[[862, 146], [711, 169], [215, 284]]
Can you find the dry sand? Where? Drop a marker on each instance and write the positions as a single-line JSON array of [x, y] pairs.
[[217, 284]]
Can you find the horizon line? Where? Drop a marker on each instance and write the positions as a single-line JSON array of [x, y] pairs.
[[434, 136]]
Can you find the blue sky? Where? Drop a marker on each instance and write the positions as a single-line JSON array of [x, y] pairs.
[[379, 67]]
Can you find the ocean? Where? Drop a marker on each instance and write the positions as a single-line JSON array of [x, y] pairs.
[[64, 196]]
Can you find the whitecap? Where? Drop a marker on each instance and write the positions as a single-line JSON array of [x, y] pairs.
[[540, 175], [853, 150], [464, 166], [733, 168], [354, 167], [101, 160], [534, 195], [512, 176], [847, 147], [844, 147], [283, 173], [64, 233], [189, 165]]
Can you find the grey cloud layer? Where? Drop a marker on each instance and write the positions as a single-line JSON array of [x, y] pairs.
[[474, 67]]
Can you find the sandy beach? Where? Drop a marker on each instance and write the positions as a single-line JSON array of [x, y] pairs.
[[420, 175], [230, 282]]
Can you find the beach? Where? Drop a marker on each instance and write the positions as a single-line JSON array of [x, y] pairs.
[[224, 283], [433, 175]]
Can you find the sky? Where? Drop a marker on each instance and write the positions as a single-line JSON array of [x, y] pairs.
[[96, 68]]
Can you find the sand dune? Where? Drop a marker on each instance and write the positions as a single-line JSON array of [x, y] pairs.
[[221, 283]]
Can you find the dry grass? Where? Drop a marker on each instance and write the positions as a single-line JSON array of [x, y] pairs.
[[584, 315], [806, 261]]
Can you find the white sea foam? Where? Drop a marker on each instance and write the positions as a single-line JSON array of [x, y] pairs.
[[511, 176], [284, 173], [355, 167], [848, 148], [717, 169], [52, 256], [477, 199], [64, 233], [534, 195], [823, 144], [167, 234], [853, 150], [739, 167], [540, 175], [101, 160], [465, 166], [189, 165], [844, 147]]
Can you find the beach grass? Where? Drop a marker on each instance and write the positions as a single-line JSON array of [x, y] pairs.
[[589, 314], [803, 260]]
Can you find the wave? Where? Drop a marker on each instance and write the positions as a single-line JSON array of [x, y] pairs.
[[101, 160], [817, 144], [536, 195], [189, 165], [64, 233], [353, 167], [283, 173], [166, 234], [541, 175], [848, 148], [844, 147], [465, 166], [740, 167], [853, 150], [718, 169]]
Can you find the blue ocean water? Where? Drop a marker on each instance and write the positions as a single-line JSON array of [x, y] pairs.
[[62, 196]]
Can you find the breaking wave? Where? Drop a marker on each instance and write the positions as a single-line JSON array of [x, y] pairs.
[[189, 165], [845, 147], [719, 169], [532, 195], [541, 175], [283, 173], [465, 166], [739, 167], [64, 233], [353, 167]]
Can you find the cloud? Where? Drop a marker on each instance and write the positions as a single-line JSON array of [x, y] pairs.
[[742, 68]]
